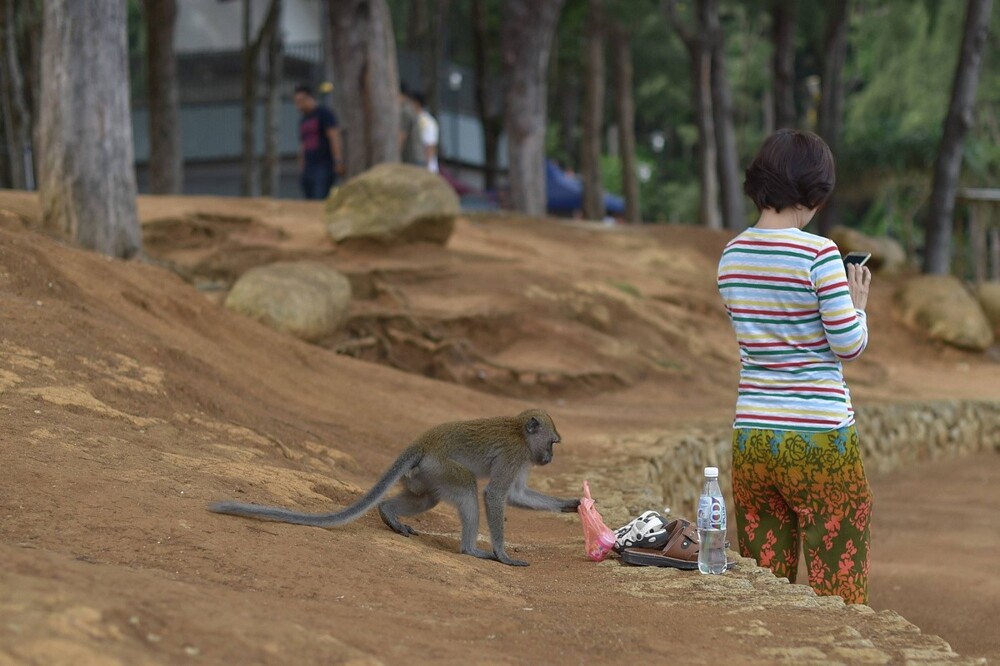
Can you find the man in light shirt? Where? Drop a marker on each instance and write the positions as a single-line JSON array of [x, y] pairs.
[[429, 132]]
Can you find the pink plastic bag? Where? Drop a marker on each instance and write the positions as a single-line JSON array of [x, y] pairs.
[[598, 539]]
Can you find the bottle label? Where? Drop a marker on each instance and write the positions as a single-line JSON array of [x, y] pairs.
[[711, 513]]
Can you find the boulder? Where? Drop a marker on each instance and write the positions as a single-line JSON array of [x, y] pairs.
[[888, 255], [942, 307], [393, 202], [307, 299], [988, 294]]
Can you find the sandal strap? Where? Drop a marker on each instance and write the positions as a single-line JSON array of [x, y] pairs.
[[682, 544]]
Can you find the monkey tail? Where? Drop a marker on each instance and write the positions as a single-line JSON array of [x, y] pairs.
[[409, 459]]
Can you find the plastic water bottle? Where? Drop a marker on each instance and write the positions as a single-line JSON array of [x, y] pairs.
[[711, 525]]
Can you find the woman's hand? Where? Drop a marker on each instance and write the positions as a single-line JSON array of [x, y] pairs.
[[859, 279]]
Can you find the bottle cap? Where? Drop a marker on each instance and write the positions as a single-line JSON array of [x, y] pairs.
[[711, 472]]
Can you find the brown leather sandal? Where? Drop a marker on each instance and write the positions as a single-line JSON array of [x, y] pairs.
[[681, 551]]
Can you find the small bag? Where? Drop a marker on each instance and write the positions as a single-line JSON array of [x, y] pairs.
[[598, 539]]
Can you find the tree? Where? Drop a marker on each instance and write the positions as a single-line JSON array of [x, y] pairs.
[[566, 81], [526, 41], [948, 165], [831, 102], [87, 178], [727, 155], [15, 118], [271, 174], [593, 113], [425, 37], [490, 115], [625, 107], [699, 51], [248, 176], [367, 90], [166, 166], [783, 16], [252, 45]]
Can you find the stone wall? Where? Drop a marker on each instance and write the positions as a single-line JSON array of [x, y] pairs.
[[664, 469]]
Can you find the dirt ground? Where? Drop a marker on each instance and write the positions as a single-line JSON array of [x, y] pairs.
[[130, 400]]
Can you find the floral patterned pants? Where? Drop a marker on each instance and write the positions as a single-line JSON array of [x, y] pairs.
[[793, 488]]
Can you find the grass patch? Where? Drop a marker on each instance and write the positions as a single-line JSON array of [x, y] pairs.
[[627, 288]]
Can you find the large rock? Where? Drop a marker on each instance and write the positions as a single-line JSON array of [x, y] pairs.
[[888, 255], [307, 299], [393, 202], [988, 294], [941, 306]]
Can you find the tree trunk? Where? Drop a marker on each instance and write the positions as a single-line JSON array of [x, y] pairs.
[[489, 118], [701, 65], [783, 16], [416, 25], [831, 103], [428, 23], [948, 165], [87, 180], [271, 176], [625, 103], [166, 175], [8, 149], [528, 28], [252, 45], [593, 114], [364, 52], [248, 138], [568, 103], [31, 56], [326, 43], [16, 118], [700, 61], [730, 177], [5, 177]]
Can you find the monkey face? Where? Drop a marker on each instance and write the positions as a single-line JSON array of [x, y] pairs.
[[541, 435]]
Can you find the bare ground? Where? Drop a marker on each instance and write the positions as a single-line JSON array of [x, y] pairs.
[[130, 400]]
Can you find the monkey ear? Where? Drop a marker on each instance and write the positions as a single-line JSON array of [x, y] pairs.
[[533, 425]]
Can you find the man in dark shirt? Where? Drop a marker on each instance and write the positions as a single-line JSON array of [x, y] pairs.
[[319, 145]]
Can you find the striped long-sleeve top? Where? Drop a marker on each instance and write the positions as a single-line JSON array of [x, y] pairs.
[[787, 297]]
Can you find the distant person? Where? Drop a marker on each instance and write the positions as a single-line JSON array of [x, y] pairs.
[[429, 132], [798, 315], [411, 147], [319, 145]]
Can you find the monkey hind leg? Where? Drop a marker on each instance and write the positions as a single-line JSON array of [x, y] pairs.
[[458, 487], [406, 503]]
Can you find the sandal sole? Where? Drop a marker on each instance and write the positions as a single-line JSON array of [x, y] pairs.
[[644, 560]]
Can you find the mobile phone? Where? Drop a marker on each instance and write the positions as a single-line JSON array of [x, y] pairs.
[[859, 258]]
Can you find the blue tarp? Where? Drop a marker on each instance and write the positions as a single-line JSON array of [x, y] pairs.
[[565, 192]]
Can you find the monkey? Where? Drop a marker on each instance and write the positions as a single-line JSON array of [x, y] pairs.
[[445, 463]]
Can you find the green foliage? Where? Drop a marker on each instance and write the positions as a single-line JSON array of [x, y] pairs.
[[900, 64]]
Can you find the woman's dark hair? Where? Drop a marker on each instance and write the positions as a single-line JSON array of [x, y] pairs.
[[304, 89], [792, 168]]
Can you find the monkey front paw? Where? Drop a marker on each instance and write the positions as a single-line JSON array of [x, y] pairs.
[[571, 506]]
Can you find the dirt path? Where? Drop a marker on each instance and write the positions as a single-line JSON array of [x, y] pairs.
[[936, 536]]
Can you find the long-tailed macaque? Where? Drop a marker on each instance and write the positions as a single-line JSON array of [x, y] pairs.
[[443, 464]]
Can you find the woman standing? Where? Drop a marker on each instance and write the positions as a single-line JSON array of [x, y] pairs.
[[797, 314]]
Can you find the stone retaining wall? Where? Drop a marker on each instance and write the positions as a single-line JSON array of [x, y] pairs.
[[669, 465]]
